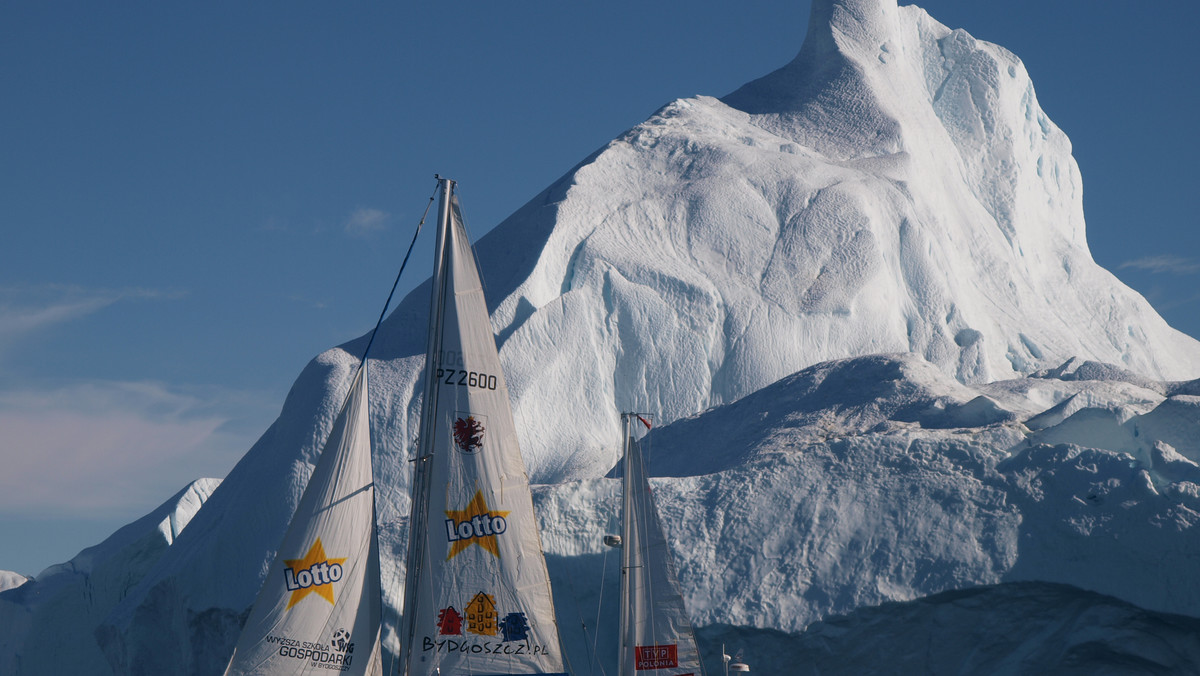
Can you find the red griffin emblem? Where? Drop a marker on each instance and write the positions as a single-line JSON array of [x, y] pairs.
[[468, 434]]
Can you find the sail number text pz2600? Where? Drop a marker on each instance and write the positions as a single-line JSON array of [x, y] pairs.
[[466, 378]]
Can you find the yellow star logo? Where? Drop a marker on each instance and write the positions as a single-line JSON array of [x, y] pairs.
[[314, 573], [475, 525]]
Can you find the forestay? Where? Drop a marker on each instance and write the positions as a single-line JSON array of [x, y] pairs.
[[478, 598], [318, 611]]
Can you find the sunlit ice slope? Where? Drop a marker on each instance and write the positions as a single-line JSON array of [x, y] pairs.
[[896, 188]]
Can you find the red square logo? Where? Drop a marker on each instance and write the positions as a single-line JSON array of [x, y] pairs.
[[655, 657]]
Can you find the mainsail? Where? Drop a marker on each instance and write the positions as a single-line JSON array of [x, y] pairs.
[[656, 634], [478, 596], [318, 611]]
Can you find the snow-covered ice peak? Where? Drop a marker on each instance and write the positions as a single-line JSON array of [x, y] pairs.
[[831, 400], [50, 621], [882, 395], [895, 188], [11, 580]]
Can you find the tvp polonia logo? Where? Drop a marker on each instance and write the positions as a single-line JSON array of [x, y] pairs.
[[656, 657], [313, 574], [468, 432]]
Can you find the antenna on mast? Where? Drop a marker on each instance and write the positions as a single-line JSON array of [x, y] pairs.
[[738, 666]]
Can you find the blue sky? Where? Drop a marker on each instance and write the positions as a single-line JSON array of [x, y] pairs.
[[196, 199]]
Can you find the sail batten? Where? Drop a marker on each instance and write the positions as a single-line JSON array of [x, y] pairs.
[[478, 599]]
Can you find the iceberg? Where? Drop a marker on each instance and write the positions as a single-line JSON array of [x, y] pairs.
[[857, 295]]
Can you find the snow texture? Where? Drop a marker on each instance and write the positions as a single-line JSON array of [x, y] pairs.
[[857, 296], [50, 621], [878, 479], [11, 580]]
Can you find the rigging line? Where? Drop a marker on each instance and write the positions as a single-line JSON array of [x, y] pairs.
[[396, 283], [582, 623], [599, 609], [362, 365]]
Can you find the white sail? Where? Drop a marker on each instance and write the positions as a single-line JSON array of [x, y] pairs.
[[318, 611], [656, 634], [478, 596]]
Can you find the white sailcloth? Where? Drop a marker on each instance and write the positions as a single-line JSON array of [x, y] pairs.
[[656, 634], [478, 599], [318, 611]]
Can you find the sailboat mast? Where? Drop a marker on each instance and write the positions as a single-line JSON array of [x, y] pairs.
[[627, 551], [433, 341], [419, 515]]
